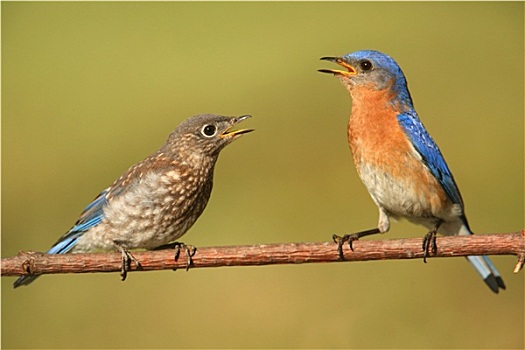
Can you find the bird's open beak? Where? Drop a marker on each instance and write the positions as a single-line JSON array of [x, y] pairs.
[[235, 133], [351, 70]]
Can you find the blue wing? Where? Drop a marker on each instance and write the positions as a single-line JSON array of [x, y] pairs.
[[94, 212], [430, 153], [90, 217]]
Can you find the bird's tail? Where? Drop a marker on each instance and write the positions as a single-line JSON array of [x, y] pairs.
[[25, 280], [487, 271], [64, 245], [484, 267]]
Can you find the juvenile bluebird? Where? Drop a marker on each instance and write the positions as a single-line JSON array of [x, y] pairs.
[[157, 200], [397, 160]]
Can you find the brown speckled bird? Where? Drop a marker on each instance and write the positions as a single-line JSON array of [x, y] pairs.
[[157, 200]]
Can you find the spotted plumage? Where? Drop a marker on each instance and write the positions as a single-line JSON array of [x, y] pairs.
[[157, 200], [397, 159]]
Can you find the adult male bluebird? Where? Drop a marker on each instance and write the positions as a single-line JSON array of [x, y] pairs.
[[397, 160], [157, 200]]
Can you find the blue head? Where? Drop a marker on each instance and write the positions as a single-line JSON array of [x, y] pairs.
[[373, 70]]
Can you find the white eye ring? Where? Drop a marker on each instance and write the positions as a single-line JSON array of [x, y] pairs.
[[209, 130]]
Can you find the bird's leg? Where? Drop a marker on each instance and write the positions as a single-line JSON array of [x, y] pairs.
[[126, 258], [350, 238], [430, 240], [189, 249]]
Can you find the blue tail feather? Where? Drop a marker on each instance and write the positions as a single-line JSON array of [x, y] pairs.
[[482, 264], [485, 268]]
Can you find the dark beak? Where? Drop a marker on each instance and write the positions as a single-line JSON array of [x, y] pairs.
[[351, 70], [236, 133]]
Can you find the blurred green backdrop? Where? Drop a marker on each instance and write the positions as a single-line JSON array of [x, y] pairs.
[[89, 89]]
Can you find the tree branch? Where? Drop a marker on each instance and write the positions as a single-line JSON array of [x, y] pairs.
[[268, 254]]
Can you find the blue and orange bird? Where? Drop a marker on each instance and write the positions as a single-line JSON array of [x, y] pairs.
[[397, 160], [155, 201]]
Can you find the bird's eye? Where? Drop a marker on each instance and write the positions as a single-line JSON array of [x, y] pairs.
[[209, 130], [365, 65]]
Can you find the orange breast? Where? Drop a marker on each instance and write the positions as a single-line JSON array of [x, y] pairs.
[[386, 161]]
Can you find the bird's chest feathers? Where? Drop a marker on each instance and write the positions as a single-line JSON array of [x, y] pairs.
[[185, 182], [374, 133], [187, 175], [385, 159], [161, 205]]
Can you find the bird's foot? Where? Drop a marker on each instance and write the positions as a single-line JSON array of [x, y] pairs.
[[189, 249], [429, 243], [126, 258], [341, 240], [350, 238]]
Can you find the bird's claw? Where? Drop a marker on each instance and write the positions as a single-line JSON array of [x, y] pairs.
[[429, 243], [126, 258], [189, 249], [341, 241], [190, 252]]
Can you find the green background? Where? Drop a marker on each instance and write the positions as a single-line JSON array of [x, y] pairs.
[[89, 89]]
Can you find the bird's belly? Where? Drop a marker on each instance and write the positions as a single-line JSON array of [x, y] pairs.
[[402, 196], [145, 218]]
